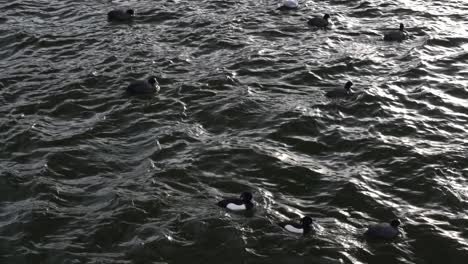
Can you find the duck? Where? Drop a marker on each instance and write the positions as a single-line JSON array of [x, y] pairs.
[[303, 227], [243, 203], [342, 92], [397, 35], [289, 5], [383, 230], [147, 86], [320, 22], [121, 15]]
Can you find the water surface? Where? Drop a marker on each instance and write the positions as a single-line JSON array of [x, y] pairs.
[[89, 174]]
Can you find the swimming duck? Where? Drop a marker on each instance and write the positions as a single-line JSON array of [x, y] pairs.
[[397, 35], [343, 92], [303, 227], [289, 5], [384, 230], [320, 22], [147, 86], [121, 15], [244, 202]]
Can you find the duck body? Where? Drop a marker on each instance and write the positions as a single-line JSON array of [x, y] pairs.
[[338, 93], [320, 22], [238, 204], [396, 35], [341, 93], [147, 86], [303, 227], [121, 15], [383, 230], [289, 5]]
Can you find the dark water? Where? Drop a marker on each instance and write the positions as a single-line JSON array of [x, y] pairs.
[[92, 175]]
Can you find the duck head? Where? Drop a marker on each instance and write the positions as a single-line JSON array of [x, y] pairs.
[[402, 27], [246, 196], [348, 86], [130, 12], [326, 16], [152, 80], [395, 223], [306, 221]]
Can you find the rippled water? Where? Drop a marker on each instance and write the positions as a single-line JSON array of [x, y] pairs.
[[92, 175]]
